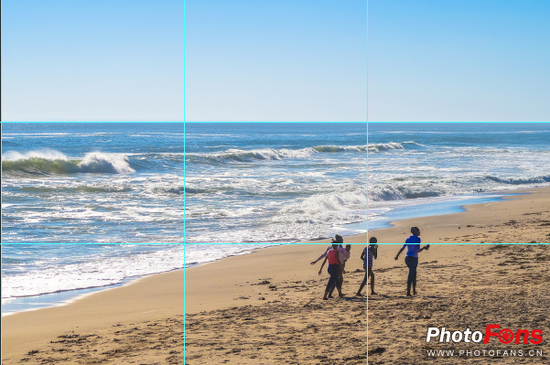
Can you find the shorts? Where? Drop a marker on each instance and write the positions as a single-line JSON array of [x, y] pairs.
[[369, 270]]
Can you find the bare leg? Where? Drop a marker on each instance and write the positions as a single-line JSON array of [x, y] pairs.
[[363, 284]]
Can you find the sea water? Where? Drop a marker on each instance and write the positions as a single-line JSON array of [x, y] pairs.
[[420, 169], [92, 182], [36, 275], [274, 182]]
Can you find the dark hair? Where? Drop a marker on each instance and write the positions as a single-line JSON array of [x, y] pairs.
[[415, 231], [373, 240], [337, 239]]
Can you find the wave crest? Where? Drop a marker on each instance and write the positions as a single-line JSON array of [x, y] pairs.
[[520, 180], [51, 162], [268, 154], [378, 147], [340, 148]]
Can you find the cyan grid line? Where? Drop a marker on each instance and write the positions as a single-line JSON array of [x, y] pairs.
[[456, 122]]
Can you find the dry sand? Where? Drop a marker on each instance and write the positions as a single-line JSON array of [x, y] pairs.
[[267, 308], [459, 287], [139, 323], [518, 219]]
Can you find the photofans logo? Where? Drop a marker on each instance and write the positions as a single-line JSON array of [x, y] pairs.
[[501, 335], [505, 335]]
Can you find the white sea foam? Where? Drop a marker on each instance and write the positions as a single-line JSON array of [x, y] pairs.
[[93, 272], [385, 147], [105, 163], [314, 217], [46, 154], [378, 193]]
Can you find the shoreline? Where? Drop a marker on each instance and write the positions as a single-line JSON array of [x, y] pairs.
[[437, 206], [98, 320], [360, 238], [517, 218], [73, 295], [73, 298]]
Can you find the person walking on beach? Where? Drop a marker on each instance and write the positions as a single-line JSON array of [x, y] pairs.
[[334, 269], [337, 239], [369, 253], [411, 258], [343, 256]]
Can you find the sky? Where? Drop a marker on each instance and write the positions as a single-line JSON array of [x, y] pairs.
[[284, 60], [101, 60], [468, 60]]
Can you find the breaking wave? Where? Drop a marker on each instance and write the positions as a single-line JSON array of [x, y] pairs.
[[51, 162], [340, 148], [520, 181], [268, 154], [379, 147]]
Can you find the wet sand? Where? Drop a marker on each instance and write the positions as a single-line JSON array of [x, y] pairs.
[[267, 308], [141, 322], [459, 287], [356, 238], [518, 219]]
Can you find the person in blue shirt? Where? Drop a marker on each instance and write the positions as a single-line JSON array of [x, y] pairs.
[[413, 248]]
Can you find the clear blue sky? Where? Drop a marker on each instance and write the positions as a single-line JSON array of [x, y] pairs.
[[468, 60], [284, 60], [84, 60]]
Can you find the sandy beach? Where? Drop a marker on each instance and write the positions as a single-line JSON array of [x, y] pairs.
[[459, 287], [267, 308], [521, 218], [139, 321]]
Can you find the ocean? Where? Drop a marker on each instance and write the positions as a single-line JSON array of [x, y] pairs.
[[92, 182], [421, 169], [274, 182]]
